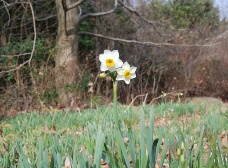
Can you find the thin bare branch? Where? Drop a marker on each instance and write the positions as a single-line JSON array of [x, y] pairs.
[[132, 102], [5, 5], [99, 13], [17, 55], [11, 4], [140, 16], [18, 67], [34, 28], [33, 47], [80, 11], [170, 94], [146, 43], [46, 18]]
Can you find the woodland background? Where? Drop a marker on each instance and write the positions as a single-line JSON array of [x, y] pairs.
[[177, 46]]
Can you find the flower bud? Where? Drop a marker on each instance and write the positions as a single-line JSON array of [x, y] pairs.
[[178, 152], [103, 75], [182, 158], [182, 145]]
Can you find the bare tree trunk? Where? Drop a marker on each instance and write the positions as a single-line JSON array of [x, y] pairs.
[[66, 62]]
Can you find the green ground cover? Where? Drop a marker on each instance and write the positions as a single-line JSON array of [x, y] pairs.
[[175, 134]]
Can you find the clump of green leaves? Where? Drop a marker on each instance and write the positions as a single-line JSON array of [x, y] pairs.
[[186, 13], [12, 57], [47, 139]]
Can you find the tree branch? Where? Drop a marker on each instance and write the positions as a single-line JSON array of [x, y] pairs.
[[13, 3], [34, 28], [5, 5], [46, 18], [99, 13], [80, 11], [18, 67], [140, 16], [146, 43], [17, 55]]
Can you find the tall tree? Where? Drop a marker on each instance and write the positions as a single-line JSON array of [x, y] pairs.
[[66, 61], [69, 16]]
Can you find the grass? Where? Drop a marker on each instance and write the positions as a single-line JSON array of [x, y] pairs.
[[47, 139]]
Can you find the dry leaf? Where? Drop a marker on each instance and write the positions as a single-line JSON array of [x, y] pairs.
[[125, 139], [82, 148], [223, 138], [103, 164], [91, 89], [90, 84], [67, 163], [165, 166], [78, 133], [7, 126], [46, 129]]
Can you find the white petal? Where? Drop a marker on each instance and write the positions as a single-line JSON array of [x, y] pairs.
[[115, 53], [108, 54], [107, 51], [112, 69], [119, 77], [127, 80], [118, 63], [133, 75], [133, 69], [104, 67], [120, 71], [126, 66], [102, 57]]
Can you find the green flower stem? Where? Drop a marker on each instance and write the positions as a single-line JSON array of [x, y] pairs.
[[115, 103]]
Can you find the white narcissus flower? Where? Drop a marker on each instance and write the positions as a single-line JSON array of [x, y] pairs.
[[126, 73], [110, 60]]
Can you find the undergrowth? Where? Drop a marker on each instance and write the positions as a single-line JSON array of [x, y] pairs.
[[49, 139]]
